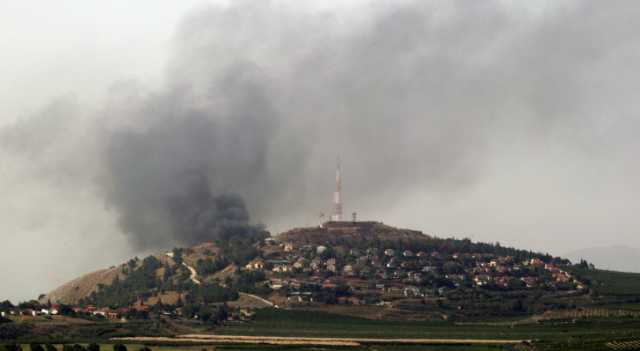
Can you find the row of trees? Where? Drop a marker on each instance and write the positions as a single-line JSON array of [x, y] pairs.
[[67, 347], [50, 347], [139, 282]]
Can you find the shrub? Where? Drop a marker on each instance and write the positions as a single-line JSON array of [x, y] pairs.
[[119, 347], [93, 347], [50, 347], [36, 347]]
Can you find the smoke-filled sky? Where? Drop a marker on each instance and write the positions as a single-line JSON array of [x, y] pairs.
[[130, 127]]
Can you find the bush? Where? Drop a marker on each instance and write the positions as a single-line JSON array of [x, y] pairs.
[[119, 347], [93, 347], [144, 349], [78, 347], [50, 347], [12, 347], [36, 347]]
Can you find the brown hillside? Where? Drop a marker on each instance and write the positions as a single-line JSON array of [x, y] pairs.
[[330, 233], [335, 233], [79, 288]]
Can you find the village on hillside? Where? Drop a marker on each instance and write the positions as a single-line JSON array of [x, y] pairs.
[[334, 264], [383, 274]]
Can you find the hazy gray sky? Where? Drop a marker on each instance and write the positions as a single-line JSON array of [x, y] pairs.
[[500, 121]]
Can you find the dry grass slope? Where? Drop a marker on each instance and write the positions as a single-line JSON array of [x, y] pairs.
[[79, 288]]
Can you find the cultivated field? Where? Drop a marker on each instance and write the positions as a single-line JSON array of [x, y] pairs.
[[306, 341]]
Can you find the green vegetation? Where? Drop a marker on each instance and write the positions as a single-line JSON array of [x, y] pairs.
[[209, 266], [561, 335], [574, 315], [249, 347], [137, 283], [609, 282]]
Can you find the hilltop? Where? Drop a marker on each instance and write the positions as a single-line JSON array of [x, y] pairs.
[[330, 234], [351, 233], [364, 269]]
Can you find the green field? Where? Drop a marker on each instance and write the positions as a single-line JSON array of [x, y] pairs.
[[582, 335], [610, 283], [240, 347], [578, 335], [610, 290]]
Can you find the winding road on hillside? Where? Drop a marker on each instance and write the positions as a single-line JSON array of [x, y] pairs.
[[194, 273], [194, 278]]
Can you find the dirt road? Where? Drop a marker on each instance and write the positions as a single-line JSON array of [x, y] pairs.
[[194, 273]]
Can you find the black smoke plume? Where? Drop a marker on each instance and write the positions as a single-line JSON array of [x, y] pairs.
[[174, 177], [416, 97]]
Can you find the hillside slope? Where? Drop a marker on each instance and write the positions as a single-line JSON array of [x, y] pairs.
[[367, 269], [72, 292], [332, 233]]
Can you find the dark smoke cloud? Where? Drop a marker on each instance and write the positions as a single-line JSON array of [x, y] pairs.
[[161, 174], [260, 99], [198, 216]]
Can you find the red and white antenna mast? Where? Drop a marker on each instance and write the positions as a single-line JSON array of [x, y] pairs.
[[337, 198]]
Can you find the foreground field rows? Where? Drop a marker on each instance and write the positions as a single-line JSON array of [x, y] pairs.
[[241, 339]]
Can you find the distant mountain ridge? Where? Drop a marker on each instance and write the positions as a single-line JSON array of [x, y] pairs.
[[616, 258]]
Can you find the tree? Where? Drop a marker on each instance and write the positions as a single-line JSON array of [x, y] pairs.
[[33, 304], [168, 272], [131, 264], [12, 347], [189, 310], [66, 310], [328, 253], [6, 304], [452, 268], [177, 256], [518, 306], [209, 266]]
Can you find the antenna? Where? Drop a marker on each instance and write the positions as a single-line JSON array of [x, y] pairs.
[[337, 196]]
